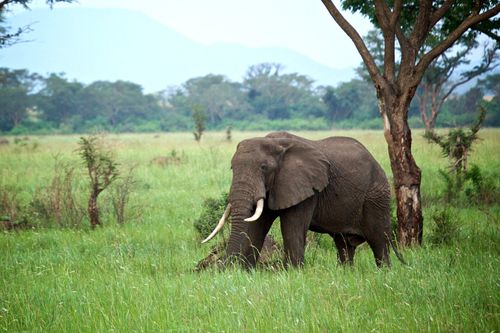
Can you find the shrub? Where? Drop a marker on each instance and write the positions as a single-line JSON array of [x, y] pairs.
[[452, 185], [120, 195], [445, 229], [57, 202], [199, 119], [472, 185], [11, 215], [212, 210], [479, 188]]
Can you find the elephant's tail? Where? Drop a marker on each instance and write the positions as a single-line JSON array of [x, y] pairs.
[[396, 251]]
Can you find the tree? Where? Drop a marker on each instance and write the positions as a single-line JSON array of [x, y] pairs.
[[60, 99], [280, 96], [456, 145], [199, 118], [119, 103], [411, 25], [16, 87], [354, 100], [219, 96], [8, 36], [102, 170], [437, 85], [490, 86], [438, 82]]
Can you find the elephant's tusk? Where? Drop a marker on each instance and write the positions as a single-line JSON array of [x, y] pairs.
[[219, 225], [258, 211]]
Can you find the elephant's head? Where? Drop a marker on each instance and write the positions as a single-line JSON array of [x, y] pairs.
[[270, 173]]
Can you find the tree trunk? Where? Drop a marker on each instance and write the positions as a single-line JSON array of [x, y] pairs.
[[93, 210], [407, 175]]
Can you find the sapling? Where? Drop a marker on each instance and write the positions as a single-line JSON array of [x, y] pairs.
[[102, 171]]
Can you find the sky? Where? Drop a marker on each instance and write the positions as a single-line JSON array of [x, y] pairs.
[[299, 25]]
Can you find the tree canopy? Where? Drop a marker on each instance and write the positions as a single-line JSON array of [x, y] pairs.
[[263, 100]]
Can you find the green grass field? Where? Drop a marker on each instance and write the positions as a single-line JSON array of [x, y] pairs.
[[140, 277]]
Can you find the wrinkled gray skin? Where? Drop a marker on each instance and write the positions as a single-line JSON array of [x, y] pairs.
[[331, 186]]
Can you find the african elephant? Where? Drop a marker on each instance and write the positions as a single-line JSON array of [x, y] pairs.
[[332, 186]]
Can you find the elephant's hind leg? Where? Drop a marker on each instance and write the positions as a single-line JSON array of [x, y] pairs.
[[381, 252], [345, 251], [377, 226]]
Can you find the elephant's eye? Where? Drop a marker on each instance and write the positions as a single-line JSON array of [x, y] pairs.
[[263, 167]]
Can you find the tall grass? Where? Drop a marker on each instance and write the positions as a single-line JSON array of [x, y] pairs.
[[140, 276]]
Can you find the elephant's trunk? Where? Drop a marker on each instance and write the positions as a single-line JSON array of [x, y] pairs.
[[243, 198], [239, 241]]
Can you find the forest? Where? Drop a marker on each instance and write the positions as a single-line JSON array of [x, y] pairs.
[[267, 98]]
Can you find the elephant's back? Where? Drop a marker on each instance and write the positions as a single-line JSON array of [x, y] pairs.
[[353, 162], [345, 150]]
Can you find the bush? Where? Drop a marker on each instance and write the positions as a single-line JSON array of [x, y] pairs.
[[33, 127], [10, 209], [120, 196], [199, 119], [479, 188], [445, 229], [470, 186], [212, 210], [102, 171], [57, 203]]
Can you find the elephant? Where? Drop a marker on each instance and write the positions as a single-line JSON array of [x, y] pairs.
[[333, 186]]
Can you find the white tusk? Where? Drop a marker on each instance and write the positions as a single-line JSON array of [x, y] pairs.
[[258, 211], [219, 225]]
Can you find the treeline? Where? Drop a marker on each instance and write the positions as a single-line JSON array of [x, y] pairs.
[[266, 99]]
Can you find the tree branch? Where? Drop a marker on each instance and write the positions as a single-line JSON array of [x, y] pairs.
[[452, 38], [4, 3], [398, 5], [489, 34], [384, 18], [440, 12], [474, 73], [358, 42], [422, 26]]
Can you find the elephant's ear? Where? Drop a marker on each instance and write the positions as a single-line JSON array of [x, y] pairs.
[[303, 170]]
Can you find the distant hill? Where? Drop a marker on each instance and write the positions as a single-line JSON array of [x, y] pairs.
[[98, 44]]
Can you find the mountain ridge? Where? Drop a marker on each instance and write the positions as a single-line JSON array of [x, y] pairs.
[[118, 44]]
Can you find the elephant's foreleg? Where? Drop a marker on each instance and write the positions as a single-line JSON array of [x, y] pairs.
[[345, 251], [257, 232], [295, 222]]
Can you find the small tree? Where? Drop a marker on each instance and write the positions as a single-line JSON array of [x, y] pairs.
[[199, 119], [102, 170], [456, 146]]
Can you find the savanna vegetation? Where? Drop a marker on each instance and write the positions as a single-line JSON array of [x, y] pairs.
[[136, 272]]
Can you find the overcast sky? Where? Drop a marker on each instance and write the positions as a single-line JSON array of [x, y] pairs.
[[301, 25]]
